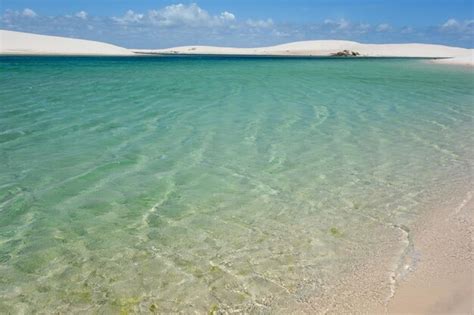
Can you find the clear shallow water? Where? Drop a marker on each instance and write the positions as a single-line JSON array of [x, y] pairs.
[[202, 184]]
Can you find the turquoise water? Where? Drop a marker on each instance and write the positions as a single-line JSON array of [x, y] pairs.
[[214, 184]]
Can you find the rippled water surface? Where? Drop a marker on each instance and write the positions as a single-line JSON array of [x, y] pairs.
[[213, 184]]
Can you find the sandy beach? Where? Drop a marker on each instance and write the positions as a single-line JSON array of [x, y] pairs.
[[462, 60], [430, 273], [441, 279]]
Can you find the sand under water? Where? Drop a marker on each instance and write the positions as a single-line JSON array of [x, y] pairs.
[[214, 184]]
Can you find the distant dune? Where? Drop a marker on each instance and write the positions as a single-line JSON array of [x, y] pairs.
[[328, 47], [17, 43]]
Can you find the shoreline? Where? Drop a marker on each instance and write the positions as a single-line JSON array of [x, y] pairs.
[[425, 268], [441, 279], [456, 61], [444, 61]]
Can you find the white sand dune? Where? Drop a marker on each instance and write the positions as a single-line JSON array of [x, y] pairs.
[[328, 47], [18, 43]]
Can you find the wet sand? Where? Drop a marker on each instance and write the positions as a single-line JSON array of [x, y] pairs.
[[441, 280], [425, 268]]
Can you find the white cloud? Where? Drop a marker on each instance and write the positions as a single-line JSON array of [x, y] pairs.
[[260, 23], [178, 15], [383, 27], [341, 24], [455, 26], [182, 24], [450, 24], [82, 15], [29, 13], [227, 16], [129, 17], [361, 28], [280, 34]]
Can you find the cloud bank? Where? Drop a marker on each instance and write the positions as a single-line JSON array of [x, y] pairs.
[[189, 24]]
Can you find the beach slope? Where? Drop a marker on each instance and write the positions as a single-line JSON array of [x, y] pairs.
[[442, 279], [18, 43]]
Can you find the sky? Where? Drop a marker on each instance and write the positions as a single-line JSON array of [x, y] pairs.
[[244, 23]]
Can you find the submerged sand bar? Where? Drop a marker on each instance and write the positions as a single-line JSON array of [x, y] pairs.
[[17, 43]]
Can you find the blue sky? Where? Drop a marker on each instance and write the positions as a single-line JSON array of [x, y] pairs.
[[244, 23]]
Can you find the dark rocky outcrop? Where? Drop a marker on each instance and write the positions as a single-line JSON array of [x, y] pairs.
[[346, 53]]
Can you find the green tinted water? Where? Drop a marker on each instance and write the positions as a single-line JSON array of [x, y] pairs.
[[204, 184]]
